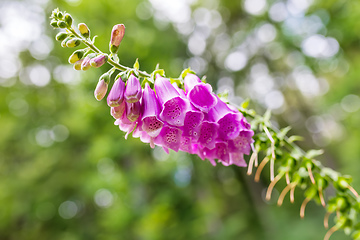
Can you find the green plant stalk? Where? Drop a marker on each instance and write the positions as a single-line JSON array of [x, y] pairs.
[[109, 60]]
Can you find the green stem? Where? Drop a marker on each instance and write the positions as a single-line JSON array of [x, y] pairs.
[[110, 61]]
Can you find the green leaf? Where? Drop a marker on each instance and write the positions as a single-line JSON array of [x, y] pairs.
[[283, 132], [245, 103], [267, 116], [295, 138], [314, 153]]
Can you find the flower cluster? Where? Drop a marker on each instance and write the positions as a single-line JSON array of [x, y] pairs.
[[195, 120]]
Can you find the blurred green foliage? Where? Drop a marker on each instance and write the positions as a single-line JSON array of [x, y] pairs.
[[67, 173]]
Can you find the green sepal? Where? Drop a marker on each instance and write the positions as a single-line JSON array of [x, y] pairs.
[[123, 76], [105, 77], [113, 48], [186, 72], [132, 71], [203, 79], [149, 81]]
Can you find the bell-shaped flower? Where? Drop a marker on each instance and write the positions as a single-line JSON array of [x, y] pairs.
[[125, 125], [228, 120], [242, 143], [133, 91], [186, 145], [208, 134], [205, 153], [169, 137], [237, 159], [193, 119], [199, 93], [174, 107], [151, 123], [133, 111], [116, 95], [144, 137]]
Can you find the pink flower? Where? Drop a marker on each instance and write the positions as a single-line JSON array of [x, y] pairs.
[[194, 121], [116, 95]]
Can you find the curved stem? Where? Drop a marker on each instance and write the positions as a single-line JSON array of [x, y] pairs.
[[330, 232], [303, 206], [260, 168], [110, 61], [271, 186]]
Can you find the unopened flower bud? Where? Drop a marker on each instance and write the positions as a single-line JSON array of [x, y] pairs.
[[61, 36], [133, 91], [54, 23], [59, 15], [76, 56], [84, 30], [74, 42], [133, 111], [98, 61], [61, 24], [100, 90], [117, 35], [118, 111], [86, 63], [63, 43], [68, 19], [116, 95], [77, 65]]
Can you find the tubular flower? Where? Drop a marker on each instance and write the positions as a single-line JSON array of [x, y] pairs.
[[151, 123], [133, 90], [199, 93], [116, 95], [174, 107], [194, 121]]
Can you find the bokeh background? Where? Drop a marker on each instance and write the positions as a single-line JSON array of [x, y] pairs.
[[66, 171]]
